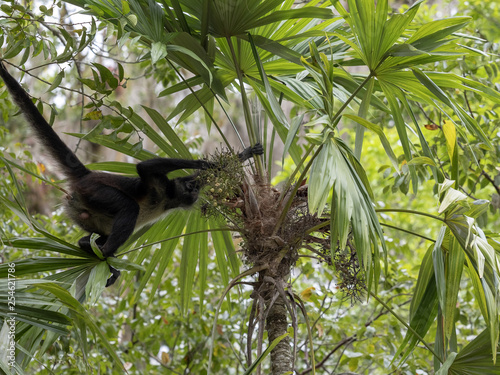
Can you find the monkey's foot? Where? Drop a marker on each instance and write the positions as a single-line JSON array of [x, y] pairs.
[[115, 274]]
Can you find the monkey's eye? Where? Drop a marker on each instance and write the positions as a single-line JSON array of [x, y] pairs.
[[191, 186]]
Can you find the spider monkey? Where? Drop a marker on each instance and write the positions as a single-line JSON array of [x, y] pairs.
[[111, 205]]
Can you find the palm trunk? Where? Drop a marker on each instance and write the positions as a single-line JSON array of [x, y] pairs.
[[277, 325]]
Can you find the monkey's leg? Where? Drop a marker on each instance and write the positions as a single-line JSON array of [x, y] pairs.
[[108, 201], [123, 227]]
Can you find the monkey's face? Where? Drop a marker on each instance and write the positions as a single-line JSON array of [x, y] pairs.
[[188, 190]]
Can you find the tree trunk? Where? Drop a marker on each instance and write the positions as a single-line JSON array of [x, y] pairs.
[[277, 325]]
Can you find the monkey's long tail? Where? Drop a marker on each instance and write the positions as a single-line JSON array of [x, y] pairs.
[[71, 166]]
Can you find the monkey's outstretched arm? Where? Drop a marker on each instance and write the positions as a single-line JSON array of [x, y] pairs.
[[165, 165]]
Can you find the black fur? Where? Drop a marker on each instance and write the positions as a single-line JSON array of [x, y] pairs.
[[111, 205]]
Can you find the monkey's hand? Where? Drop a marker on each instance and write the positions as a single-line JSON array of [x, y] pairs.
[[257, 149], [249, 152]]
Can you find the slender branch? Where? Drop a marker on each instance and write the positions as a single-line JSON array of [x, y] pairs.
[[407, 231], [409, 212], [176, 237], [346, 341], [488, 177], [353, 95]]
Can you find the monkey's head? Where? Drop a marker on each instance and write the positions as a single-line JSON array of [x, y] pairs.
[[187, 190]]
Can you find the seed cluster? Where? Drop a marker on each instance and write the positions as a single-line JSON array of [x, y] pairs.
[[222, 183]]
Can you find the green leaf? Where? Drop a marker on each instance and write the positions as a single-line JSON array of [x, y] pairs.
[[322, 178], [452, 196], [476, 358], [455, 261], [422, 160], [190, 256], [447, 364], [424, 306], [37, 265], [439, 272], [97, 282], [436, 30], [114, 166], [225, 252], [158, 51], [124, 264], [392, 93], [106, 76], [302, 12], [175, 222], [57, 81], [180, 148]]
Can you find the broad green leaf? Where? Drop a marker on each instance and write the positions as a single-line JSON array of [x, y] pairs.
[[190, 256], [477, 286], [493, 321], [439, 268], [181, 151], [97, 282], [322, 178], [158, 51], [302, 12], [48, 244], [422, 160], [476, 358], [452, 196], [122, 146], [392, 93], [36, 265], [124, 264], [424, 306], [435, 30], [362, 113], [278, 112], [175, 222], [114, 166], [455, 260], [447, 364], [57, 81], [450, 135], [225, 250], [292, 134]]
